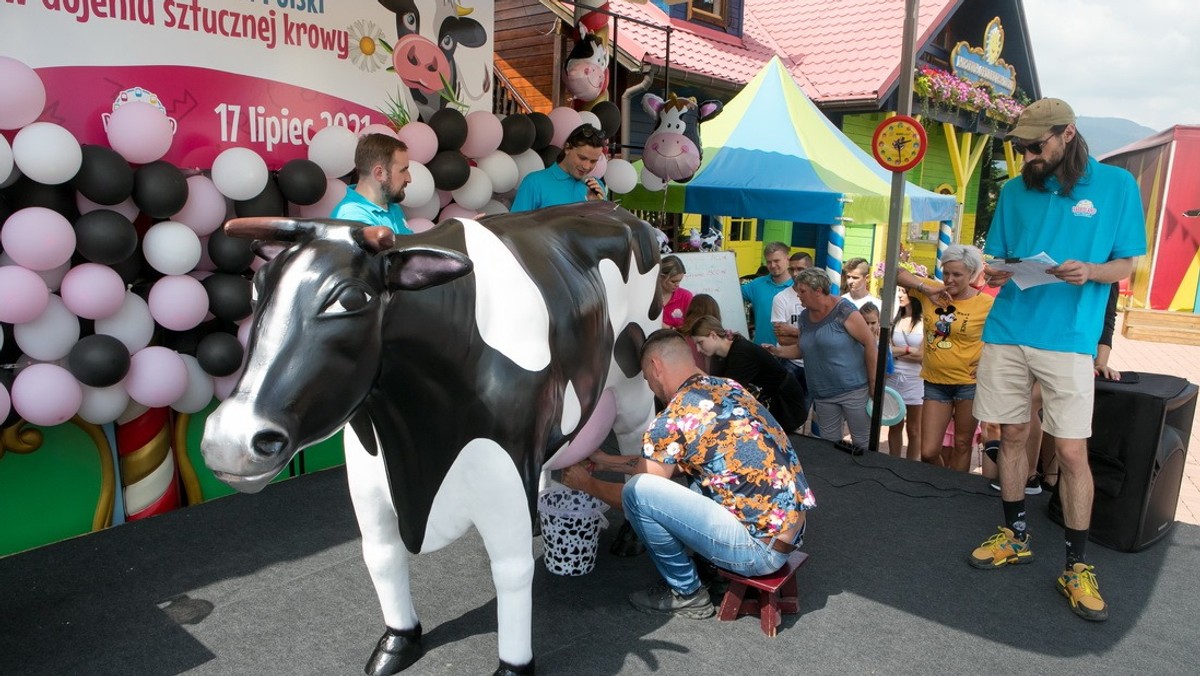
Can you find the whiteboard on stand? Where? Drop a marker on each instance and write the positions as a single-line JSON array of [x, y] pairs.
[[715, 273]]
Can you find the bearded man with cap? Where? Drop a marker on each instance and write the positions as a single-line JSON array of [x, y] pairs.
[[1088, 217]]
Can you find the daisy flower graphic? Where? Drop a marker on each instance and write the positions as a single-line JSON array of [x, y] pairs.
[[367, 48]]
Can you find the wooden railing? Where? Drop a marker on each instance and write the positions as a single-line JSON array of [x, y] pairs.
[[505, 99]]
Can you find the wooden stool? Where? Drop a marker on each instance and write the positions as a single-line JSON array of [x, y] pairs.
[[774, 594]]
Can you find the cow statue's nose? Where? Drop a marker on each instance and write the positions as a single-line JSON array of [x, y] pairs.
[[269, 443]]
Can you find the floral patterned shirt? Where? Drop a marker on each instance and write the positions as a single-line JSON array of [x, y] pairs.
[[734, 452]]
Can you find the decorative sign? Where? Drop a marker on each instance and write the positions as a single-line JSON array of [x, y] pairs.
[[899, 143], [984, 65]]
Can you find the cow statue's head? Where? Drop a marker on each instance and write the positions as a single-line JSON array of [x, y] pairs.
[[315, 342], [425, 55], [586, 75], [673, 151]]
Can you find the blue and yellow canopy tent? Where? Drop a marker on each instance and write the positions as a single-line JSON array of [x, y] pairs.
[[772, 154]]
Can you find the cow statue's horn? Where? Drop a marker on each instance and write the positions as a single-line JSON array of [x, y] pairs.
[[462, 11], [270, 228], [377, 238]]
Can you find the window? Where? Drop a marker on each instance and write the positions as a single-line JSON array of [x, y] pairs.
[[743, 229], [709, 11]]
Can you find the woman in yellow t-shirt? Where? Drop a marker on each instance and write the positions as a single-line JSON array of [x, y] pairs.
[[953, 316]]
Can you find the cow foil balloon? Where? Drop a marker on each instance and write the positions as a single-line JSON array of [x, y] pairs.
[[586, 76], [461, 361], [673, 151]]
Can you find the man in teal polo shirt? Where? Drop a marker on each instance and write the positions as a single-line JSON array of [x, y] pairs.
[[567, 181], [381, 162], [760, 292], [1088, 217]]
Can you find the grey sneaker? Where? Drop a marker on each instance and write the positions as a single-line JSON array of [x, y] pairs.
[[1032, 487], [662, 600]]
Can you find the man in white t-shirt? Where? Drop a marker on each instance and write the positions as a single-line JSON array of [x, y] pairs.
[[785, 315]]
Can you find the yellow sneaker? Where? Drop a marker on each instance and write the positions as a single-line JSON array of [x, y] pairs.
[[1001, 549], [1078, 583]]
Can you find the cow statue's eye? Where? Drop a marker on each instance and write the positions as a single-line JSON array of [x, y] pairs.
[[348, 299], [447, 42], [410, 21]]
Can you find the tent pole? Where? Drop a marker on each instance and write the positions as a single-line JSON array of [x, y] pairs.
[[895, 219]]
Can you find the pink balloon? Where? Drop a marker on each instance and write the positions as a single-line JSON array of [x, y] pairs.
[[421, 141], [127, 208], [420, 224], [157, 377], [335, 190], [22, 94], [206, 262], [223, 386], [243, 332], [484, 133], [456, 210], [178, 303], [600, 168], [23, 295], [46, 395], [378, 128], [565, 121], [204, 210], [38, 238], [445, 197], [93, 291], [140, 132]]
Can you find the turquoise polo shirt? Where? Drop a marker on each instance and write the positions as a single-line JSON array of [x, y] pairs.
[[355, 207], [760, 294], [1102, 220], [548, 188]]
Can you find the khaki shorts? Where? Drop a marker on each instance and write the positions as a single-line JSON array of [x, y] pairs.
[[1006, 375]]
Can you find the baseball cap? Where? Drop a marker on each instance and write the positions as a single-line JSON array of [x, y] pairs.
[[1040, 116]]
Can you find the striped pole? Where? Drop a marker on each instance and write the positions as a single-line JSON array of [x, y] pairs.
[[148, 475], [945, 236], [833, 258]]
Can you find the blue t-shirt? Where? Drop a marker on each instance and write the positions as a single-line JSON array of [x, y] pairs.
[[549, 187], [355, 207], [760, 293], [1101, 221]]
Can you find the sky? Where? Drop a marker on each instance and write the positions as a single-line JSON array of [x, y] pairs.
[[1135, 59]]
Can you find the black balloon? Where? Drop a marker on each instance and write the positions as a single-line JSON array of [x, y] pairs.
[[159, 189], [104, 177], [9, 350], [105, 237], [544, 128], [450, 170], [98, 360], [450, 127], [131, 268], [229, 254], [29, 193], [302, 182], [610, 117], [550, 154], [6, 381], [228, 296], [219, 354], [519, 134], [269, 202]]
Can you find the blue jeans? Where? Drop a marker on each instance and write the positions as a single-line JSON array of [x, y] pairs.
[[670, 519]]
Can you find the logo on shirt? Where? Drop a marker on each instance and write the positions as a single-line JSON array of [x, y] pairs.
[[1084, 208]]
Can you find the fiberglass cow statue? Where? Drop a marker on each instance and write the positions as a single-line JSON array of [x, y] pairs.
[[462, 361]]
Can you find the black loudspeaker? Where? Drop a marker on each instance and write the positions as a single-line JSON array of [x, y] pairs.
[[1137, 453]]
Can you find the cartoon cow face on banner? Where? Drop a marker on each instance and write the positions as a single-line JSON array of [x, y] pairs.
[[587, 66], [673, 151], [427, 54]]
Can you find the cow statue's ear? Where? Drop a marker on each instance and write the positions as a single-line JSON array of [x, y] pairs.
[[710, 109], [416, 268], [652, 104]]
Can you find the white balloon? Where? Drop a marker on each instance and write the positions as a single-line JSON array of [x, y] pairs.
[[621, 176], [589, 117], [527, 163], [502, 169], [239, 173], [52, 335], [132, 325], [199, 390], [332, 148], [47, 153], [494, 207], [102, 405], [54, 277], [171, 248], [652, 182], [420, 188], [6, 159], [13, 177], [428, 210], [476, 191]]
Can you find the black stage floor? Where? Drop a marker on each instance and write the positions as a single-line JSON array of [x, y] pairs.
[[274, 583]]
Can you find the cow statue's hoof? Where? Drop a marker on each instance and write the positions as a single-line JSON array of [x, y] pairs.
[[506, 669], [396, 651]]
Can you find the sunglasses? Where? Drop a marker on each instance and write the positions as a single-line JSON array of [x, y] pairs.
[[1035, 147]]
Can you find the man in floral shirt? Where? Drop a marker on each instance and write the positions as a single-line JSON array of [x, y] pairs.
[[744, 508]]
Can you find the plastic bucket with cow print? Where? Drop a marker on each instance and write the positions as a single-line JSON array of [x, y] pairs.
[[571, 524]]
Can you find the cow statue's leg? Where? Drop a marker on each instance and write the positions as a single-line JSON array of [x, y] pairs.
[[484, 489], [386, 559]]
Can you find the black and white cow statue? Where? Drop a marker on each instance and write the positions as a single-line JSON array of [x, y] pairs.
[[462, 362], [672, 151], [426, 55]]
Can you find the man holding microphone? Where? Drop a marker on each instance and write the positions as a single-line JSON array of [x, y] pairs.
[[567, 181]]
